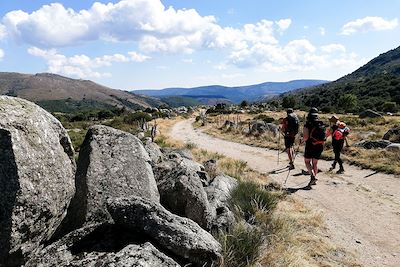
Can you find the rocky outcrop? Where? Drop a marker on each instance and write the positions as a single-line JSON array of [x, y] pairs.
[[111, 164], [180, 182], [210, 166], [260, 127], [181, 236], [36, 177], [368, 144], [393, 135], [394, 147], [182, 192], [219, 190], [218, 193], [369, 113], [154, 151], [101, 245]]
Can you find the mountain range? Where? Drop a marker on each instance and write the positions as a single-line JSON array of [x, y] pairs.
[[233, 94], [58, 93]]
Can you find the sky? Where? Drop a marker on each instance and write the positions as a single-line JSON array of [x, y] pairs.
[[153, 44]]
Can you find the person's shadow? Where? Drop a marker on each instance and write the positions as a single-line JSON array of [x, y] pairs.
[[292, 190]]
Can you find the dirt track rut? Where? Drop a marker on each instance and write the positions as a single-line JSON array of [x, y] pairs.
[[361, 207]]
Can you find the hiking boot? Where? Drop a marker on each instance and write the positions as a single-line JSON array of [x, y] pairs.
[[340, 171], [313, 180], [291, 166]]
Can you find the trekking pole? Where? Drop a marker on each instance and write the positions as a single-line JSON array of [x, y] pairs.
[[279, 143], [294, 158]]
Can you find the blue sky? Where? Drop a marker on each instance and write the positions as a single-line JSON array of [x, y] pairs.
[[146, 44]]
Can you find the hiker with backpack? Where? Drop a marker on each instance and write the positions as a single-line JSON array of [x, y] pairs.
[[290, 128], [314, 134], [339, 132]]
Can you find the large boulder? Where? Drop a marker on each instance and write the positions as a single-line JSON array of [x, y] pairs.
[[154, 151], [218, 194], [111, 164], [100, 245], [369, 144], [394, 147], [261, 127], [393, 135], [181, 191], [219, 190], [36, 177], [369, 113], [181, 236]]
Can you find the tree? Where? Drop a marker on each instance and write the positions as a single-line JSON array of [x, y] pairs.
[[288, 102], [244, 104], [390, 107], [348, 103]]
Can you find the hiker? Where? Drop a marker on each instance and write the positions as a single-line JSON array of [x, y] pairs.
[[339, 132], [314, 135], [290, 128]]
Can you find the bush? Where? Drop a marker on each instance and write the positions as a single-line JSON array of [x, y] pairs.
[[241, 246], [248, 198], [137, 116], [390, 107], [348, 102], [289, 101]]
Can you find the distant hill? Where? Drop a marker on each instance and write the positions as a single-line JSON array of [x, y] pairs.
[[58, 93], [376, 85], [191, 101], [234, 94]]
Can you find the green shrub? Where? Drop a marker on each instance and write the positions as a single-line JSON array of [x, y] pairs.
[[241, 246], [390, 107], [137, 116], [248, 198]]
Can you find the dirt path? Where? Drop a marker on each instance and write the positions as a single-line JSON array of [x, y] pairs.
[[361, 207]]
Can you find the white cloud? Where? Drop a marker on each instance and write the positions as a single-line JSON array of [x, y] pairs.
[[283, 24], [136, 57], [148, 22], [322, 31], [297, 55], [81, 66], [157, 29], [54, 25], [369, 24], [332, 48], [1, 54]]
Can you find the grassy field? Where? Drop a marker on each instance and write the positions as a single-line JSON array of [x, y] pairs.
[[274, 229], [361, 129]]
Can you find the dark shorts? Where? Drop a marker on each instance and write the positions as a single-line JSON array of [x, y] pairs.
[[289, 141], [313, 151]]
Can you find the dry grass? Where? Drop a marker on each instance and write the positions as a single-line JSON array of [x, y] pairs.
[[300, 239], [162, 138], [361, 129], [229, 166]]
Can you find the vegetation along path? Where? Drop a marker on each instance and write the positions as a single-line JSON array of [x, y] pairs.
[[361, 207]]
